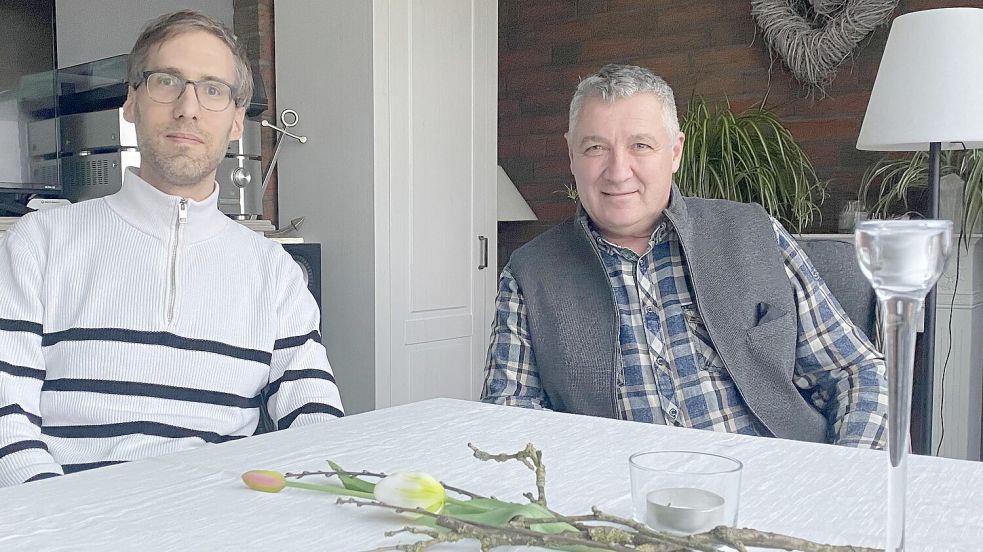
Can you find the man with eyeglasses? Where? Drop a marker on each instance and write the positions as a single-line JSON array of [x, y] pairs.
[[148, 322]]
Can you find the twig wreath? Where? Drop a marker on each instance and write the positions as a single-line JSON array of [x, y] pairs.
[[813, 37]]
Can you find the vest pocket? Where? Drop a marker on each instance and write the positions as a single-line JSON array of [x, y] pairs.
[[706, 355], [769, 343]]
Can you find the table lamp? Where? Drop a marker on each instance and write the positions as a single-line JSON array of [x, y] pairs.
[[928, 96]]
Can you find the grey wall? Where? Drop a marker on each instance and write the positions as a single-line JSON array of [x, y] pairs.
[[324, 72], [94, 29]]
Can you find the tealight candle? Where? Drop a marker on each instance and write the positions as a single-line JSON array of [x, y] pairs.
[[684, 492], [684, 510]]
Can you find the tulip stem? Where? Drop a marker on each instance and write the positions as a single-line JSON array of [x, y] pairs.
[[329, 489]]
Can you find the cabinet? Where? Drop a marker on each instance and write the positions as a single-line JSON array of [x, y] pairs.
[[397, 182]]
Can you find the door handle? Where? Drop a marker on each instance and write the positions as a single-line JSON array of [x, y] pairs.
[[484, 252]]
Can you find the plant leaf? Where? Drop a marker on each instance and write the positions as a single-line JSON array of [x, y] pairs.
[[500, 513], [748, 157], [351, 482], [475, 505]]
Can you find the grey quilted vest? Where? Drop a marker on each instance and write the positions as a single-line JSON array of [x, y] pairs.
[[736, 270]]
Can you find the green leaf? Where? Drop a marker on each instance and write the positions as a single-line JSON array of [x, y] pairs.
[[351, 482], [499, 513], [474, 505], [748, 157], [886, 185]]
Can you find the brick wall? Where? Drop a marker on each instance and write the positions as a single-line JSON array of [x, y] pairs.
[[708, 48]]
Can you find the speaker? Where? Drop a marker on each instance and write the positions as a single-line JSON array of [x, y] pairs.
[[308, 257]]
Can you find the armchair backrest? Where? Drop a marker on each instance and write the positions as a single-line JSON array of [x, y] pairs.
[[836, 261]]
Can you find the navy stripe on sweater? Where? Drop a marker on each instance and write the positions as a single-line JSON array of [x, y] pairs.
[[11, 409], [309, 408], [21, 371], [297, 340], [164, 339], [22, 445], [44, 475], [156, 429], [73, 468], [152, 390], [294, 375], [8, 325]]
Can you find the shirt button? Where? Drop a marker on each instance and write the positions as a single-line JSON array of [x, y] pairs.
[[672, 412], [649, 309], [660, 361]]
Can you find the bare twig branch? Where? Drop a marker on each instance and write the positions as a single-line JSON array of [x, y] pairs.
[[461, 491], [493, 535], [763, 539], [334, 473], [525, 455], [531, 457]]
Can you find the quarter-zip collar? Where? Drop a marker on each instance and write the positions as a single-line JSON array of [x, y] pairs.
[[153, 212]]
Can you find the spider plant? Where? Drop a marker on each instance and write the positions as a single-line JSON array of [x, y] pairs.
[[748, 157], [894, 177]]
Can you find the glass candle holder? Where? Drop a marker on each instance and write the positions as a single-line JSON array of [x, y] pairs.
[[685, 492], [902, 259]]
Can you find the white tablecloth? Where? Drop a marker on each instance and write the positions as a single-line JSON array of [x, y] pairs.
[[194, 500]]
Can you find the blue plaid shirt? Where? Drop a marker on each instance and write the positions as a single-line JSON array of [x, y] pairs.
[[671, 373]]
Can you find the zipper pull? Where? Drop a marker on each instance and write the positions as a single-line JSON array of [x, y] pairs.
[[182, 211]]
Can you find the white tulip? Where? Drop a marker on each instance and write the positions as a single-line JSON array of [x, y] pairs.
[[411, 490]]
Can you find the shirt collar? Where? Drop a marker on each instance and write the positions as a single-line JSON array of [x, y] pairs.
[[663, 232], [155, 213]]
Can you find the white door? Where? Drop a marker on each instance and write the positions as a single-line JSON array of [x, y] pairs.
[[441, 66]]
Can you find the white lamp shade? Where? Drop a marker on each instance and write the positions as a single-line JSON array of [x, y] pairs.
[[929, 86], [511, 206]]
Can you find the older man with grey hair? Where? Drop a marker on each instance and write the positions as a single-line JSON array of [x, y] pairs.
[[655, 307]]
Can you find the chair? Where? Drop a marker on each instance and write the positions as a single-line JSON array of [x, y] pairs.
[[836, 261], [266, 423]]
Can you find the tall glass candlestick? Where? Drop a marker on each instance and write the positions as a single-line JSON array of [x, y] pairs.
[[902, 259]]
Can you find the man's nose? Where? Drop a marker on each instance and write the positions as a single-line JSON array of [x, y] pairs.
[[186, 105], [618, 168]]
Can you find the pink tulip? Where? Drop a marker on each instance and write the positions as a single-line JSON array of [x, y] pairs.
[[267, 481]]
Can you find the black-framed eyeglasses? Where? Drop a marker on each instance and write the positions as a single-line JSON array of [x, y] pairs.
[[163, 87]]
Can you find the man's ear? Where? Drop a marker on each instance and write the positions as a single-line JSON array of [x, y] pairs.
[[566, 136], [237, 124], [677, 152], [129, 107]]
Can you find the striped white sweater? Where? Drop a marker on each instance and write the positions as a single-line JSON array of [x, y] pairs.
[[140, 324]]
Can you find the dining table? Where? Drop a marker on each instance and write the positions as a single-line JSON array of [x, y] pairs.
[[196, 500]]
